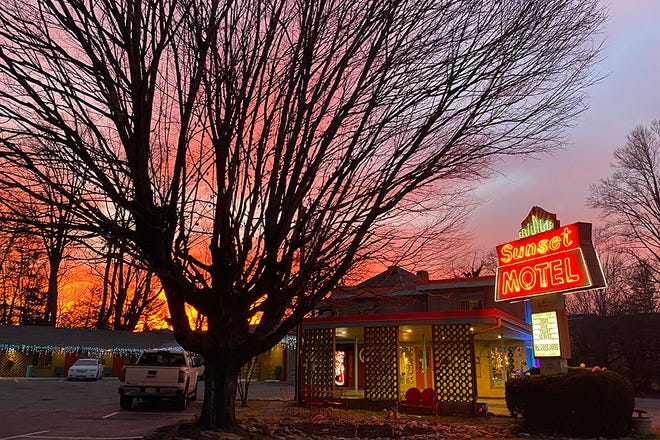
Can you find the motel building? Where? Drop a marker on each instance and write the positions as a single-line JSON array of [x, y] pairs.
[[372, 342], [462, 338], [42, 351]]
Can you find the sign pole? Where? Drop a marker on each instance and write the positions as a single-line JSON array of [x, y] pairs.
[[552, 342]]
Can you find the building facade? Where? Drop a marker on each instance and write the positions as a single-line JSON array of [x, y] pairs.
[[39, 351], [399, 330]]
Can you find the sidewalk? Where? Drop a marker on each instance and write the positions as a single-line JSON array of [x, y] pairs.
[[268, 390]]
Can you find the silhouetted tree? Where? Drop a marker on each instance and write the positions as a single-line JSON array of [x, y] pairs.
[[23, 281], [630, 200], [249, 153], [477, 263], [643, 290], [609, 301], [44, 213], [128, 291]]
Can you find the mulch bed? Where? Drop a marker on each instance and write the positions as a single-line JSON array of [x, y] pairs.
[[264, 421], [363, 431]]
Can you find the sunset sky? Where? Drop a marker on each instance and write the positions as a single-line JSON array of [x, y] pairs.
[[628, 96]]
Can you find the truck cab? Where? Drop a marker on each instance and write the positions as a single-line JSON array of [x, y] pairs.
[[160, 374]]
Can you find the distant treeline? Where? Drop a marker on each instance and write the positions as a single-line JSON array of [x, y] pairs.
[[627, 344]]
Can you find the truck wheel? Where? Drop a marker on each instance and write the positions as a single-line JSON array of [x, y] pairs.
[[193, 396], [182, 399], [125, 402]]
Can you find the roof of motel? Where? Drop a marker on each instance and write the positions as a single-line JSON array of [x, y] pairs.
[[396, 281], [41, 337], [492, 321]]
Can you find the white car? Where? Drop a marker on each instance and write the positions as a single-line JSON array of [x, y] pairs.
[[85, 369]]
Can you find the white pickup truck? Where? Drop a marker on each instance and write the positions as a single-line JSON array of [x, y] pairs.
[[160, 374]]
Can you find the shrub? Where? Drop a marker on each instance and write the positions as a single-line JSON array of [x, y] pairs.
[[582, 402]]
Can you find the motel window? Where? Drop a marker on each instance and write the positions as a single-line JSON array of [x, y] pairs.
[[473, 304], [506, 362], [42, 359]]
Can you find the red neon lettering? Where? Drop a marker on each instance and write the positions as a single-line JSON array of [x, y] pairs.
[[550, 273], [546, 243], [510, 282], [527, 278]]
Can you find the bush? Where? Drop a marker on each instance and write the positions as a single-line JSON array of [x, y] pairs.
[[582, 402]]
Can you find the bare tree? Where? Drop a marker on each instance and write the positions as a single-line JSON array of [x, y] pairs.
[[254, 150], [50, 224], [128, 290], [644, 295], [474, 264], [630, 197], [245, 378], [22, 279], [631, 288], [610, 300], [82, 311]]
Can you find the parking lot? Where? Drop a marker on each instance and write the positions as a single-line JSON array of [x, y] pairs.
[[56, 409]]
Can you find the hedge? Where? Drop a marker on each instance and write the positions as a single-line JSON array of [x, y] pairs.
[[580, 403]]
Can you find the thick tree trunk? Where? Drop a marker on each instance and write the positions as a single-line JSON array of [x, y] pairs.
[[50, 317], [218, 411]]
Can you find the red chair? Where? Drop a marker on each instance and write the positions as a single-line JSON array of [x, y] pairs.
[[419, 402], [430, 400], [413, 398]]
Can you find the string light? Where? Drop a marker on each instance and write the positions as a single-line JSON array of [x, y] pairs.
[[288, 342], [46, 349]]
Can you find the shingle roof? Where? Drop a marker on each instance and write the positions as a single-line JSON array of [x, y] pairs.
[[57, 337], [394, 276]]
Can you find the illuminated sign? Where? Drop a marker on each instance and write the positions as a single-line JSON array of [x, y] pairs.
[[340, 368], [559, 260], [545, 334], [538, 220]]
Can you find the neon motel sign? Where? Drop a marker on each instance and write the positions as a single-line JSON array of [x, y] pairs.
[[558, 260]]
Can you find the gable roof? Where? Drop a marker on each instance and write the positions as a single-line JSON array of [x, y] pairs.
[[394, 276], [396, 281], [28, 337]]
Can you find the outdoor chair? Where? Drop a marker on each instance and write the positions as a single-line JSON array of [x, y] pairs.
[[337, 402], [289, 405], [430, 400], [311, 399], [419, 402], [412, 398]]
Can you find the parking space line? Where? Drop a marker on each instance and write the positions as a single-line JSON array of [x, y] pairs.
[[23, 435], [107, 416], [68, 437]]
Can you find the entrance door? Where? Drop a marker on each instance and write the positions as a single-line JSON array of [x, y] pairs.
[[424, 365], [69, 359]]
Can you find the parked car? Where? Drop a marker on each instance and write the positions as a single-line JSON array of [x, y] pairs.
[[85, 369], [160, 374]]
